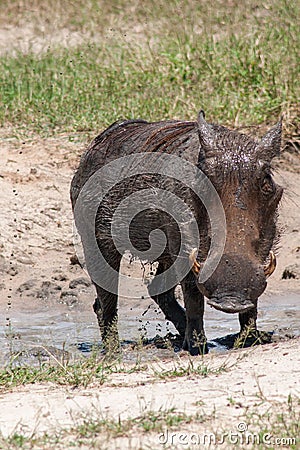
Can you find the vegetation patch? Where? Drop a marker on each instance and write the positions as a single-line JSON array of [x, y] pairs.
[[98, 370], [97, 432], [239, 64], [192, 368]]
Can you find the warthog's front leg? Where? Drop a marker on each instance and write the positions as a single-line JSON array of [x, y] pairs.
[[248, 320], [249, 332], [168, 303], [195, 340]]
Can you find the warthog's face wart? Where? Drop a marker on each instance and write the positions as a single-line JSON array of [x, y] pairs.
[[240, 170]]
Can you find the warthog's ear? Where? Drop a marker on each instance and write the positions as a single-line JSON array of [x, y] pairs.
[[269, 146], [206, 136]]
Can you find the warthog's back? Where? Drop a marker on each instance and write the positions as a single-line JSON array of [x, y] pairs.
[[136, 136]]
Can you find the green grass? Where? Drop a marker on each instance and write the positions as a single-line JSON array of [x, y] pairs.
[[192, 368], [98, 433], [95, 369], [80, 373], [241, 68]]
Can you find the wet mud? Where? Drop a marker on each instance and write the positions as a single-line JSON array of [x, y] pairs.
[[53, 319]]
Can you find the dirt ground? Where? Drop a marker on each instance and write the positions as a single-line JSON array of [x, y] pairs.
[[256, 381], [36, 244]]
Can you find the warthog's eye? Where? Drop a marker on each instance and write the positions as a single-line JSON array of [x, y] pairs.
[[267, 185]]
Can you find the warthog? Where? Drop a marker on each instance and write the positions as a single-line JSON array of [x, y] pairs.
[[239, 169]]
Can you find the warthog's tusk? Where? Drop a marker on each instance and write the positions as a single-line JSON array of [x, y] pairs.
[[270, 267], [195, 265]]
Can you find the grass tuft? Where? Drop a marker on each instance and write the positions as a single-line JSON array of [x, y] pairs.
[[80, 373], [192, 368]]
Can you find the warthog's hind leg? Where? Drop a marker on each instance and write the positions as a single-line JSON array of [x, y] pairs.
[[106, 306]]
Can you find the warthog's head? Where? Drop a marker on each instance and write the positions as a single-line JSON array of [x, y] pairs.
[[240, 170]]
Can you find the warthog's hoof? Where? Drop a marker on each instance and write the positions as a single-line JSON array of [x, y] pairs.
[[195, 348], [250, 337]]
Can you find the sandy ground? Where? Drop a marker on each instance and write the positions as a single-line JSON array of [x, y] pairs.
[[36, 243], [255, 380]]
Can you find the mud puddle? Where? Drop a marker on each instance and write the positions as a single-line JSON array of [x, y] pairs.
[[35, 331]]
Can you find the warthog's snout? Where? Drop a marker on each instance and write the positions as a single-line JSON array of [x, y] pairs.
[[231, 303], [236, 283]]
